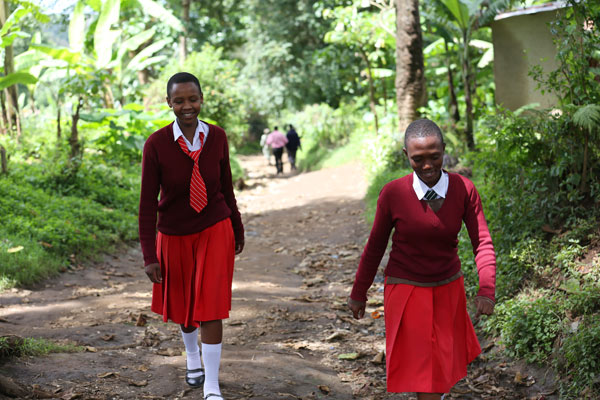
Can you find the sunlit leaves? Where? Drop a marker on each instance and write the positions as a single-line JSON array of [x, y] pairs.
[[15, 78], [77, 27], [104, 36], [156, 10]]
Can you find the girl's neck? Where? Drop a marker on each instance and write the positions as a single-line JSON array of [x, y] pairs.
[[188, 130]]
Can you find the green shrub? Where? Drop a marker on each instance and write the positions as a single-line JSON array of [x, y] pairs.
[[579, 361], [15, 346], [528, 324], [582, 299]]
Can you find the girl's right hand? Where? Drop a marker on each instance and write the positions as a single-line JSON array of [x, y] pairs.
[[357, 307], [153, 272]]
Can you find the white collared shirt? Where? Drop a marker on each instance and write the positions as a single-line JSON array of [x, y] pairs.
[[201, 127], [441, 187]]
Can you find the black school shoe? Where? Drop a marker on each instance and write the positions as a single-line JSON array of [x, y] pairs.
[[196, 381]]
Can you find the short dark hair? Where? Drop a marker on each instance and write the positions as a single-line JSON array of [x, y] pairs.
[[276, 127], [182, 77], [422, 128]]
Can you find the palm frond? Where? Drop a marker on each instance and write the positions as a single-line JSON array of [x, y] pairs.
[[587, 117]]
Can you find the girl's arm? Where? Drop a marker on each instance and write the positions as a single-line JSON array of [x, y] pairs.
[[149, 203], [227, 190], [375, 248], [483, 248]]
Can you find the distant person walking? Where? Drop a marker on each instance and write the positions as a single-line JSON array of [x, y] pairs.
[[266, 149], [190, 259], [430, 339], [277, 141], [292, 145]]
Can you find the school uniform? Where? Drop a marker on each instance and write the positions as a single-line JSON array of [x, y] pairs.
[[430, 339], [195, 250]]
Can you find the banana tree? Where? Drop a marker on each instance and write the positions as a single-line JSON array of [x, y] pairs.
[[8, 83], [360, 28], [457, 20], [86, 74]]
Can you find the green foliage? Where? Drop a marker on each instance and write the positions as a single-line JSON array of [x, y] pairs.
[[13, 346], [321, 129], [222, 94], [528, 324], [579, 361], [121, 134], [56, 214]]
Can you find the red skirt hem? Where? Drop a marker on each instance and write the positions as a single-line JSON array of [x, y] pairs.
[[430, 339], [197, 272]]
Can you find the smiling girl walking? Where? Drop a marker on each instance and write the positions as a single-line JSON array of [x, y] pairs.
[[429, 335], [190, 259]]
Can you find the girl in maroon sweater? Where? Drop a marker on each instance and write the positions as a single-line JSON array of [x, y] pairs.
[[190, 259], [430, 339]]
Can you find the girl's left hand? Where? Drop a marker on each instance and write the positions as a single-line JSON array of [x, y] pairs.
[[484, 306], [239, 246]]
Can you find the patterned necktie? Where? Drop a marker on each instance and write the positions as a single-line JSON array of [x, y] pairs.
[[431, 195], [198, 198]]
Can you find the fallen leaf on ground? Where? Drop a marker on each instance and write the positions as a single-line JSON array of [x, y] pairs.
[[170, 352], [108, 337], [91, 349], [335, 336], [379, 358], [324, 389], [15, 249], [108, 374], [141, 320], [143, 368], [138, 383], [375, 314], [349, 356]]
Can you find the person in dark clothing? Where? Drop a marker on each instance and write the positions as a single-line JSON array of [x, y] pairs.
[[292, 145]]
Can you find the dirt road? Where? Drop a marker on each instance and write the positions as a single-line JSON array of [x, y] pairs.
[[289, 335]]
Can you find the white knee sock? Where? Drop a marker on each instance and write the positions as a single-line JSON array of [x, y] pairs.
[[192, 351], [211, 354]]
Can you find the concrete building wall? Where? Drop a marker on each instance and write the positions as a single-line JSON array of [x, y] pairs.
[[521, 41]]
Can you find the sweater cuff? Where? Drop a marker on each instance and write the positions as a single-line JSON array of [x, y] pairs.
[[487, 292], [358, 295], [150, 260]]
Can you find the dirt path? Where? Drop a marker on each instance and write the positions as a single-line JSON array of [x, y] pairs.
[[288, 328]]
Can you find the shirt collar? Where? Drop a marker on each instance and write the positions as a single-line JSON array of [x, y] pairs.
[[441, 187], [201, 127]]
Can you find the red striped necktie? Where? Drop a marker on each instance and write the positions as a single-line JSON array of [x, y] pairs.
[[198, 198]]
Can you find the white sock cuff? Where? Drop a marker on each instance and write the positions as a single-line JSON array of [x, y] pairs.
[[190, 340], [211, 348]]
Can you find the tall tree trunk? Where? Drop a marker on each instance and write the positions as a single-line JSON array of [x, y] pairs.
[[185, 17], [74, 139], [454, 112], [584, 168], [384, 94], [58, 133], [467, 87], [12, 105], [3, 162], [410, 71], [4, 119], [372, 99]]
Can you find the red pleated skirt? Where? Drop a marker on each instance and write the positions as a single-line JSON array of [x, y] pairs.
[[430, 339], [197, 273]]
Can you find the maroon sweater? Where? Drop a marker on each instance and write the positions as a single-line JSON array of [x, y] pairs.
[[166, 168], [424, 243]]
